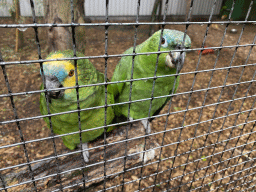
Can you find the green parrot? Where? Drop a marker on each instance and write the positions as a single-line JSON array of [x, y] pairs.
[[62, 74], [144, 66]]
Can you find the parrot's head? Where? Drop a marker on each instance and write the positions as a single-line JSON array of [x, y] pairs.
[[170, 41], [59, 74]]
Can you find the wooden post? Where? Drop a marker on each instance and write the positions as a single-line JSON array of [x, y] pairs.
[[19, 34], [60, 38], [153, 15], [160, 12], [188, 2]]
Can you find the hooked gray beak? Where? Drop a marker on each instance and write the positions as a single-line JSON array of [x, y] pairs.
[[52, 82], [175, 59]]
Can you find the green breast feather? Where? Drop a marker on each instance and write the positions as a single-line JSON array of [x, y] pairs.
[[144, 66]]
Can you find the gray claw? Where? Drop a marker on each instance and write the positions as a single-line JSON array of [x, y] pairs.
[[85, 152], [146, 125]]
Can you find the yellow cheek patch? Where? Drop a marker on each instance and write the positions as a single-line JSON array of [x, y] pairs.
[[67, 91], [70, 81]]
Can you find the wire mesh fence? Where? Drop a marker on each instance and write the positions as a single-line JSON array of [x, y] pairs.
[[201, 138]]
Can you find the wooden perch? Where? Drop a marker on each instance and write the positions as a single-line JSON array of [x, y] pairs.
[[94, 174]]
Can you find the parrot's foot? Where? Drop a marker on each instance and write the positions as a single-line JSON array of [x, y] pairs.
[[85, 152], [146, 125]]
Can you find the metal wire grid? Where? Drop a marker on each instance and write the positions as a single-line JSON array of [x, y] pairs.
[[106, 56]]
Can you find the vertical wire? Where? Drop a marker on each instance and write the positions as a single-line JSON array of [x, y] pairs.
[[189, 99], [77, 87], [130, 103], [231, 178], [1, 176], [153, 87], [231, 132], [254, 144], [244, 145], [19, 128], [46, 95], [243, 183], [251, 166], [252, 186], [248, 182], [206, 93], [169, 107], [241, 132], [18, 125], [224, 85], [106, 91], [130, 94]]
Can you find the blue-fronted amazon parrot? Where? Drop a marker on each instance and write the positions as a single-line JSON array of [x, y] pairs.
[[144, 66], [62, 74]]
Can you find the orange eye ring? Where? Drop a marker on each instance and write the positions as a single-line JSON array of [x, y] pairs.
[[71, 73]]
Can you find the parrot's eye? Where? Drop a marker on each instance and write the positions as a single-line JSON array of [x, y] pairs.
[[164, 43], [71, 73]]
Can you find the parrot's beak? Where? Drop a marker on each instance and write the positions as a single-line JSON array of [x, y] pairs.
[[175, 60], [52, 82]]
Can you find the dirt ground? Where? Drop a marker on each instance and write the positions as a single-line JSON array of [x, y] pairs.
[[227, 132]]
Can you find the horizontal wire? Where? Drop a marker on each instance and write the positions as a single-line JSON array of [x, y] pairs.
[[233, 181], [132, 121], [135, 138], [121, 24], [121, 55], [242, 183], [183, 184], [151, 175], [79, 168], [188, 152], [227, 175], [207, 176], [250, 186], [135, 101], [26, 182], [138, 79]]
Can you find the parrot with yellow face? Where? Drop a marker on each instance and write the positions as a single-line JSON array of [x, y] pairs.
[[62, 74]]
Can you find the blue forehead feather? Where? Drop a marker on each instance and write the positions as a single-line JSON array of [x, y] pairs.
[[56, 70], [175, 37]]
